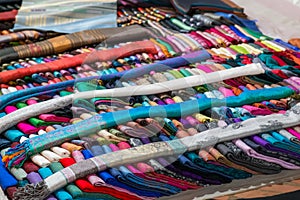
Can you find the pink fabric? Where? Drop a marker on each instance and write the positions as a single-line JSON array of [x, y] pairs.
[[95, 180], [123, 145], [27, 128], [31, 101], [113, 147], [53, 118], [226, 92], [78, 156], [92, 178], [192, 120], [10, 109], [143, 167], [133, 169], [293, 132], [257, 111], [169, 101], [249, 151], [205, 68]]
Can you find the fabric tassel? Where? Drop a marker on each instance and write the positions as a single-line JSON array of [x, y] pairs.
[[32, 191], [18, 155]]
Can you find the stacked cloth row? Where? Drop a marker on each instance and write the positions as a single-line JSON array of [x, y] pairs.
[[162, 104]]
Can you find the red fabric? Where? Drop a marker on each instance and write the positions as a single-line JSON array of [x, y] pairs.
[[264, 46], [10, 191], [86, 186], [57, 65], [279, 73], [30, 167], [230, 39], [8, 15], [209, 44], [279, 60]]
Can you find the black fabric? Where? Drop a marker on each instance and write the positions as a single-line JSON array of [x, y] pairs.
[[266, 152], [236, 155]]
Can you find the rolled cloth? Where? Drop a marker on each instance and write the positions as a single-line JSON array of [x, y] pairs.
[[71, 41], [64, 63]]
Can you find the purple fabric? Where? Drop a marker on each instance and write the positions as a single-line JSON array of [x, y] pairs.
[[267, 145]]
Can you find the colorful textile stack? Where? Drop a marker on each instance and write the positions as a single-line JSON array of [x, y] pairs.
[[163, 104]]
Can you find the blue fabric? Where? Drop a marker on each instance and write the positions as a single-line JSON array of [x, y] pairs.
[[288, 45], [13, 134], [251, 24], [45, 172], [281, 138], [277, 143], [6, 179], [20, 95], [109, 179], [240, 34], [155, 186], [97, 150]]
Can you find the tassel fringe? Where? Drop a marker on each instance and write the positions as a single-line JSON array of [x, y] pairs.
[[37, 191], [15, 157]]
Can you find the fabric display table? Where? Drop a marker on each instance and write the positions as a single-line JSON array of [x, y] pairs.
[[181, 99]]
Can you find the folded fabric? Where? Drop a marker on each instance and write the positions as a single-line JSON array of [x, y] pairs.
[[64, 63], [53, 118], [51, 156], [61, 152], [250, 152], [6, 179], [215, 5], [106, 191], [237, 156], [30, 167], [71, 41], [40, 160], [4, 143], [268, 152], [38, 144], [13, 134]]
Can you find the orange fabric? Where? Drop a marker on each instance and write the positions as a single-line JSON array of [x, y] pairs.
[[105, 55]]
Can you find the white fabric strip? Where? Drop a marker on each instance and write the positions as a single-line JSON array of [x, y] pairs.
[[199, 141], [172, 85]]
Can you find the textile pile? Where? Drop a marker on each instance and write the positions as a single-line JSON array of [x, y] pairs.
[[180, 96]]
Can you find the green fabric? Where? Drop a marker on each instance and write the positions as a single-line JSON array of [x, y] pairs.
[[20, 105], [84, 86], [56, 166], [185, 73], [237, 174], [83, 103], [176, 74], [257, 34], [181, 24], [38, 122], [168, 46], [239, 49], [22, 183], [74, 191], [272, 64], [64, 93], [264, 50]]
